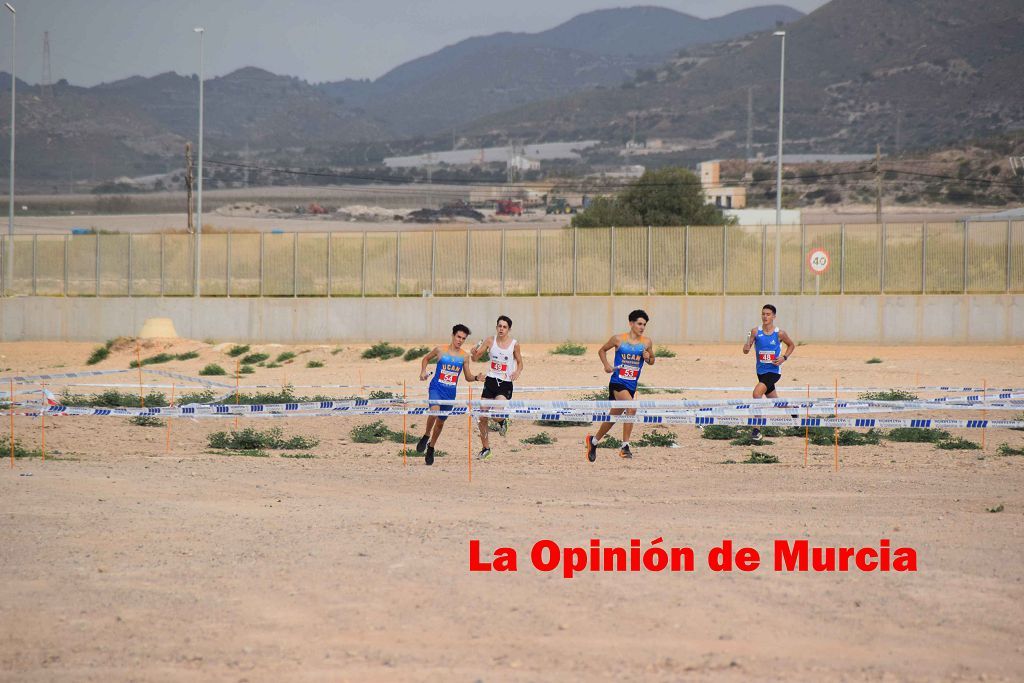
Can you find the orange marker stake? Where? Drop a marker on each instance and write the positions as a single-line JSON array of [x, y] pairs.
[[169, 421], [42, 424], [836, 414], [405, 410], [10, 406]]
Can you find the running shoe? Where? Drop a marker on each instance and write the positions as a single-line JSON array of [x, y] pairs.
[[421, 445], [503, 427], [756, 434], [430, 455], [484, 454], [624, 452], [591, 447]]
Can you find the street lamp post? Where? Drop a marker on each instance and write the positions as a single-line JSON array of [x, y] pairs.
[[778, 165], [199, 194], [9, 268]]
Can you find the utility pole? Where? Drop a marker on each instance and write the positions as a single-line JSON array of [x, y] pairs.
[[750, 128], [878, 184], [188, 185], [46, 84]]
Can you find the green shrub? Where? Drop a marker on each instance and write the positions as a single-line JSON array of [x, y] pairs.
[[383, 351], [253, 439], [284, 357], [560, 423], [379, 394], [271, 365], [873, 361], [378, 432], [657, 439], [957, 444], [19, 450], [112, 398], [212, 369], [917, 435], [746, 439], [416, 352], [723, 432], [335, 352], [297, 455], [246, 370], [411, 453], [890, 395], [569, 349], [237, 350], [541, 439], [100, 353], [759, 458], [188, 355], [254, 358], [204, 396], [246, 452], [146, 421], [609, 441], [662, 352], [826, 436], [315, 364], [1007, 450], [153, 360]]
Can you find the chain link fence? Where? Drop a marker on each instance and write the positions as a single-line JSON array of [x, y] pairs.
[[891, 258]]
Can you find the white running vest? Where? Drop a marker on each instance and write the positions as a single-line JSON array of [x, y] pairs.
[[503, 362]]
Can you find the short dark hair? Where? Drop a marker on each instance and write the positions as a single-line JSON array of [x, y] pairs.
[[506, 319], [460, 328], [770, 308], [637, 314]]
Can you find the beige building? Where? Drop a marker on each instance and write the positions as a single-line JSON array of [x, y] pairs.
[[722, 196]]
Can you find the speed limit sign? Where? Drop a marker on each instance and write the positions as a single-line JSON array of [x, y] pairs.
[[818, 260]]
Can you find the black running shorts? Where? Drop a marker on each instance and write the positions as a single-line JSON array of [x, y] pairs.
[[769, 379], [613, 387], [493, 388]]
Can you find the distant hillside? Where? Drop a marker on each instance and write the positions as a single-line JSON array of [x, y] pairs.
[[488, 74], [858, 72]]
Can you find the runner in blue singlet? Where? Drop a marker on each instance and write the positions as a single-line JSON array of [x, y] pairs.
[[451, 363], [767, 341], [632, 350]]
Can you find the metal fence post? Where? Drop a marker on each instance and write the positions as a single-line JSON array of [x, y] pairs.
[[161, 266], [842, 258], [97, 264], [1009, 253], [648, 260], [295, 264], [881, 259], [967, 252], [803, 251], [611, 262], [330, 263], [468, 264], [362, 269], [35, 243], [538, 262], [725, 261], [575, 257], [262, 258], [502, 285], [764, 239], [130, 270], [398, 262], [924, 257], [67, 249], [433, 262], [686, 259], [227, 269]]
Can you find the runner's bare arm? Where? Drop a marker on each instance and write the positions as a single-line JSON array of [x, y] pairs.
[[472, 376], [434, 354], [602, 353], [750, 340], [519, 364], [480, 346], [790, 347], [649, 352]]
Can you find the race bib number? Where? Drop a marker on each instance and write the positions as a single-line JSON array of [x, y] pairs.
[[448, 377], [629, 373], [498, 367], [766, 356]]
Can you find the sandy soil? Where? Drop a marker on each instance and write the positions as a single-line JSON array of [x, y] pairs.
[[123, 561]]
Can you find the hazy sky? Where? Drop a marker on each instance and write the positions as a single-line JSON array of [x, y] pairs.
[[93, 41]]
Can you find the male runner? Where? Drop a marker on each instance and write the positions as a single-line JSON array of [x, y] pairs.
[[632, 350], [767, 340], [451, 363], [506, 364]]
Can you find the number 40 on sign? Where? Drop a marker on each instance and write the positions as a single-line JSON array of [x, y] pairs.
[[818, 260]]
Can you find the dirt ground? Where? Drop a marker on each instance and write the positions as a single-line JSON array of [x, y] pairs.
[[123, 560]]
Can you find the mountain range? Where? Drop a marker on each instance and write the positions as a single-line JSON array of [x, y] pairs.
[[858, 73]]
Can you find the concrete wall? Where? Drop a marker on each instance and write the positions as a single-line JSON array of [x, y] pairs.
[[911, 319]]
